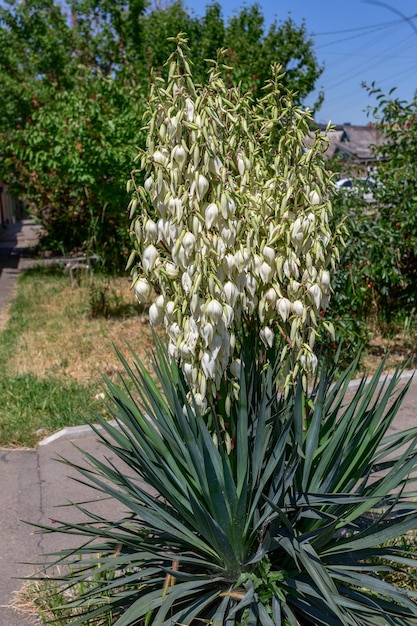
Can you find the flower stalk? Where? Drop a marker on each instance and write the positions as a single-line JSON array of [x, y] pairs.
[[233, 228]]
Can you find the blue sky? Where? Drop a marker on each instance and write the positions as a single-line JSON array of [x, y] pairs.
[[356, 41]]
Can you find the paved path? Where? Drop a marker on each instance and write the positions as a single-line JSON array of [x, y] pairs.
[[16, 243], [34, 484]]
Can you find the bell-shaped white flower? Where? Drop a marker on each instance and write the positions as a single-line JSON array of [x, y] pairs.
[[298, 308], [188, 243], [186, 282], [228, 236], [267, 336], [240, 165], [227, 206], [228, 315], [174, 332], [179, 155], [159, 157], [215, 165], [325, 280], [151, 230], [172, 270], [271, 296], [207, 333], [266, 272], [316, 294], [214, 311], [251, 284], [208, 364], [175, 208], [216, 344], [169, 310], [142, 290], [284, 308], [189, 109], [231, 293], [149, 258], [202, 186], [269, 254], [156, 315], [314, 198], [308, 362], [160, 302], [211, 215]]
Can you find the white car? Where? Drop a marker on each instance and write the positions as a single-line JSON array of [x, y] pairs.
[[357, 185]]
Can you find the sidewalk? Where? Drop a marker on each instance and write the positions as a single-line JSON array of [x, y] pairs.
[[35, 485]]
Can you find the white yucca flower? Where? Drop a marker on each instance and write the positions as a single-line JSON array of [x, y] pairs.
[[229, 234]]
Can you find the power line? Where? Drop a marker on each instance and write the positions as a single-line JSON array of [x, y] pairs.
[[393, 24], [385, 5], [363, 28]]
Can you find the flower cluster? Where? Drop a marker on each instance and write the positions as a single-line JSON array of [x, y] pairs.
[[233, 228]]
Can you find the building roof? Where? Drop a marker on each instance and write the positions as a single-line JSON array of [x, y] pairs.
[[352, 142]]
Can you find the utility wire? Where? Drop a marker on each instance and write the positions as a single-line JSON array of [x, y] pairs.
[[395, 23], [358, 28]]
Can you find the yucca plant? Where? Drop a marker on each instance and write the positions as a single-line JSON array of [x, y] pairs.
[[293, 525], [249, 498]]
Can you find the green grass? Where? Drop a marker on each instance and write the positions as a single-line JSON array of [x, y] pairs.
[[32, 407], [43, 388]]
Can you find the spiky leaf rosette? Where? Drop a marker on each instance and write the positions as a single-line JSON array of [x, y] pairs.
[[292, 526], [233, 223]]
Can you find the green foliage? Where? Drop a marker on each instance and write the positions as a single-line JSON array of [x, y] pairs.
[[283, 527], [73, 155], [352, 307], [377, 279], [74, 79], [394, 254]]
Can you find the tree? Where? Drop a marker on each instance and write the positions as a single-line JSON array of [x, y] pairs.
[[250, 51], [73, 94], [394, 256], [75, 77]]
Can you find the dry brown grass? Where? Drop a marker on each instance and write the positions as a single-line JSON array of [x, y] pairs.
[[64, 339]]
